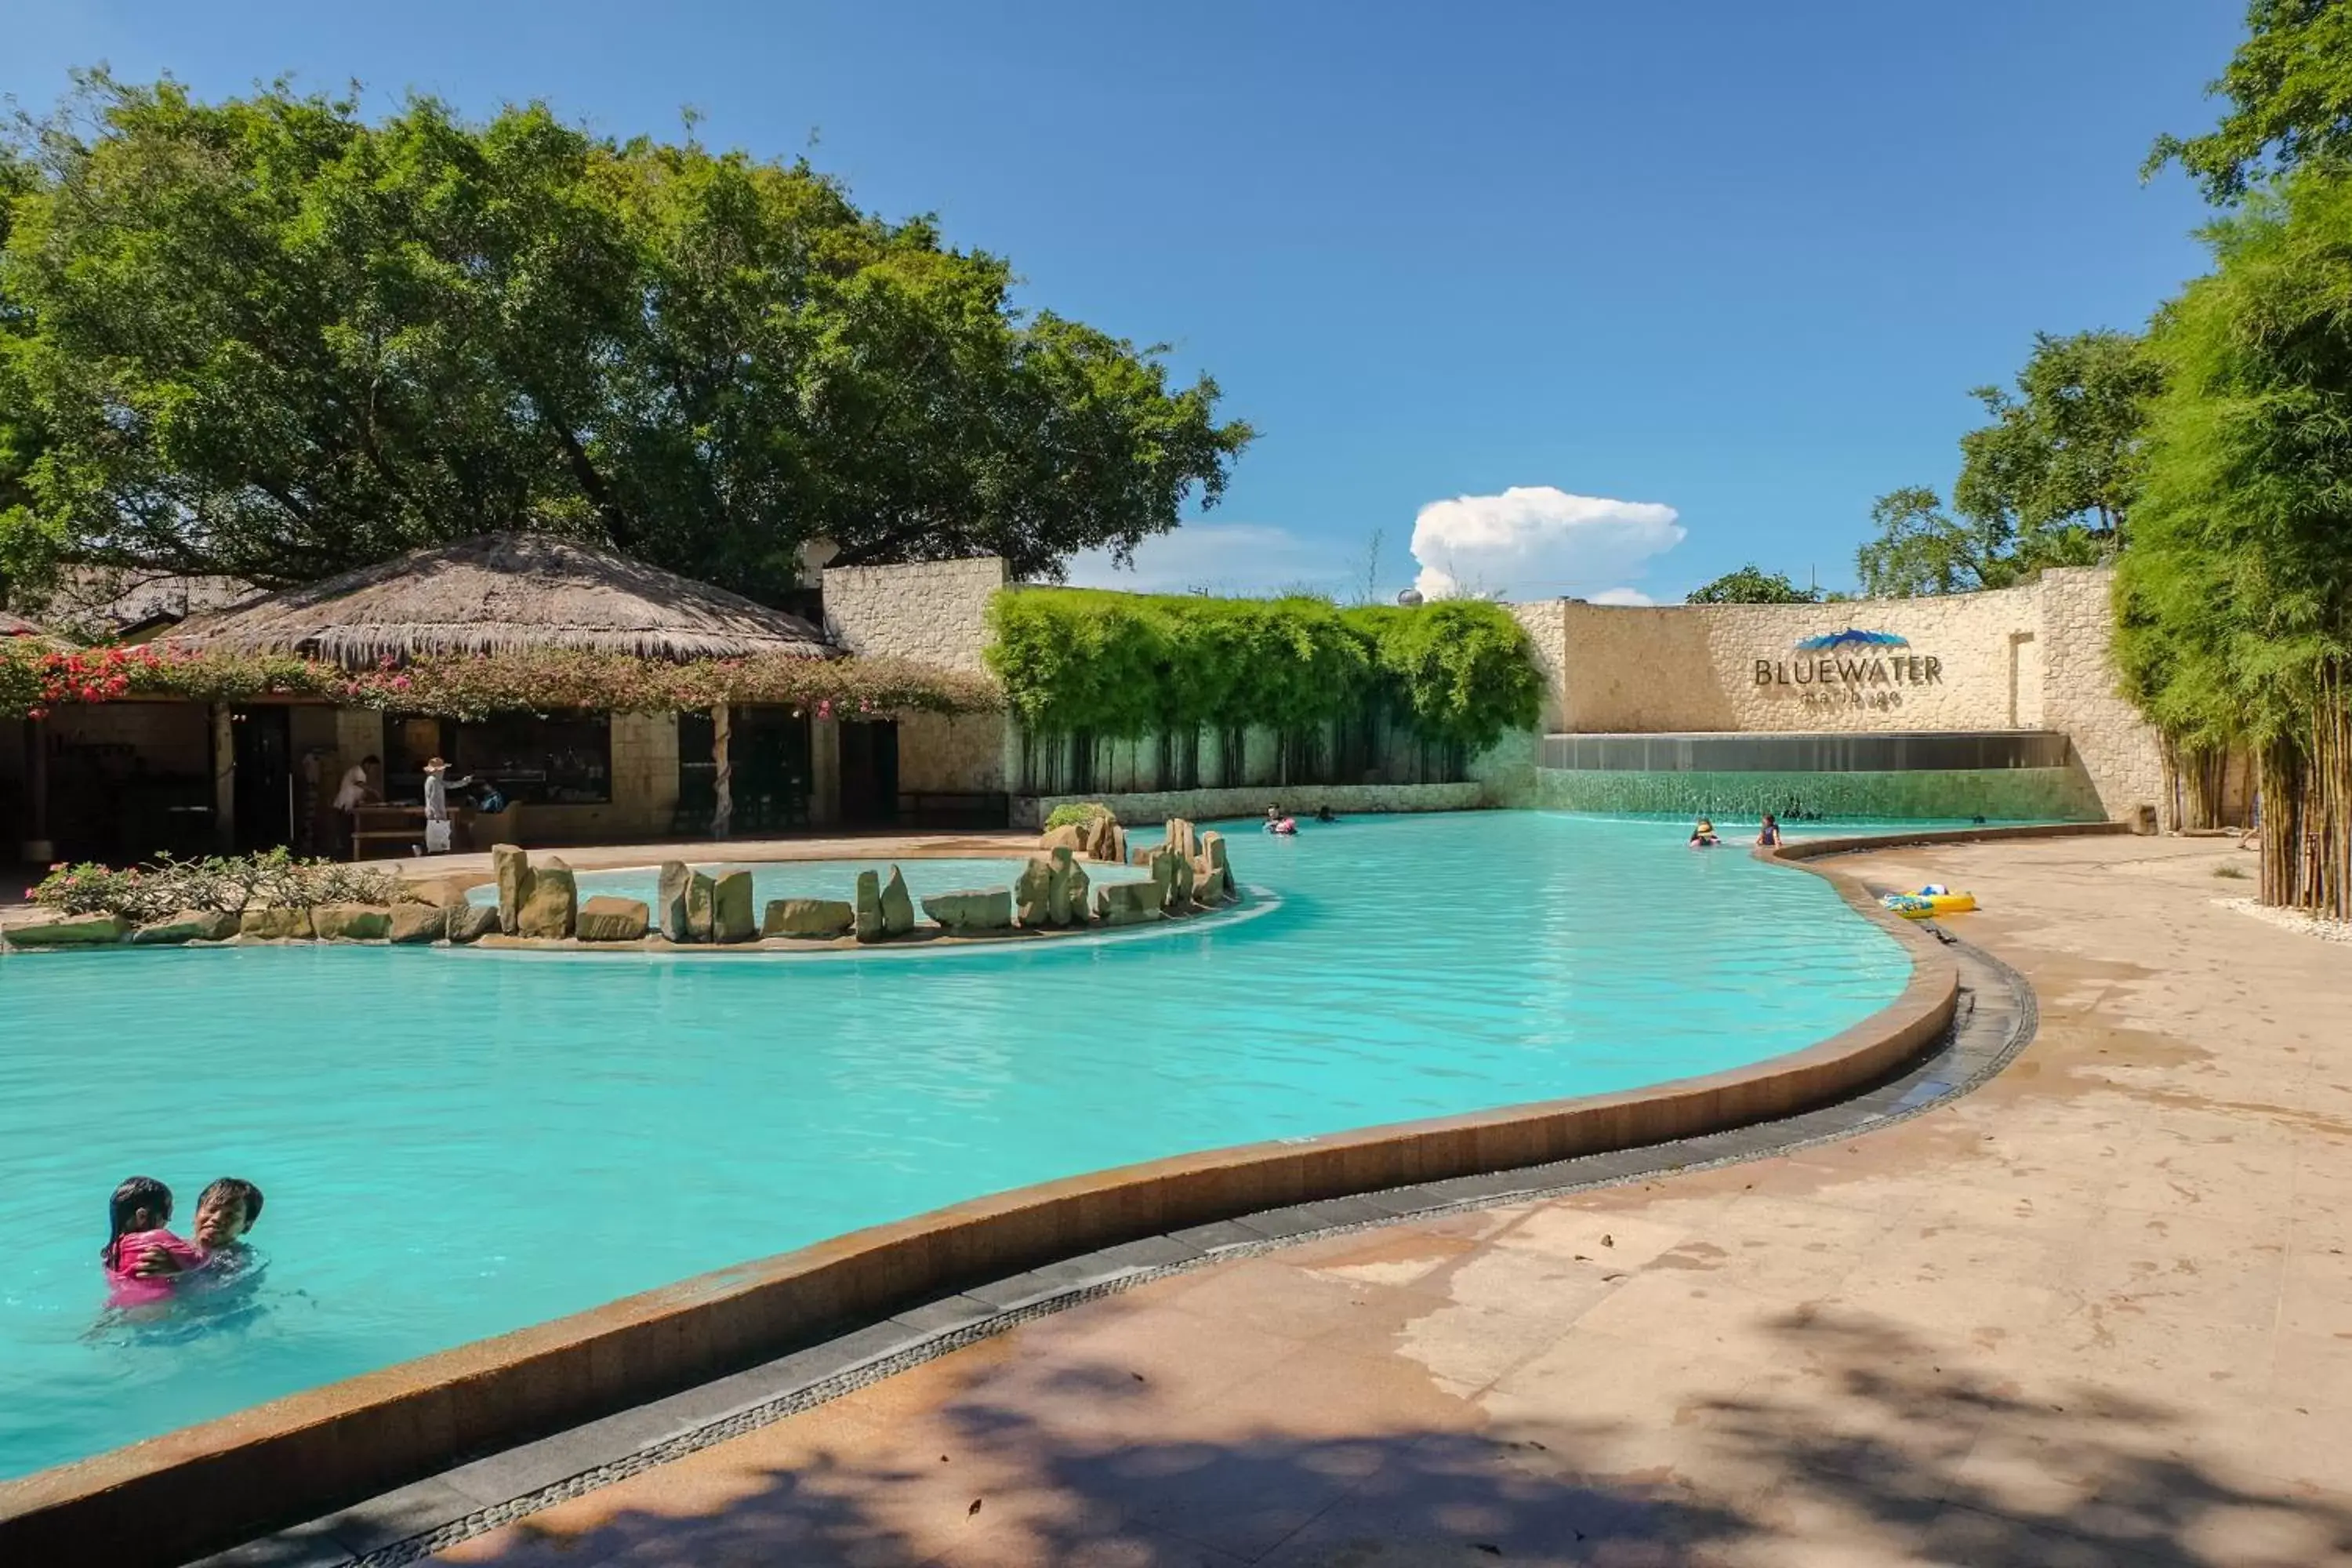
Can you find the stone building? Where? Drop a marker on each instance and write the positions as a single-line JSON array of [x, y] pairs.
[[2000, 704]]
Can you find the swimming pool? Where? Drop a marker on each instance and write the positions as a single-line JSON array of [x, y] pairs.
[[456, 1144]]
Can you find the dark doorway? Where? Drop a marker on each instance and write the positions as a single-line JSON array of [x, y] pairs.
[[264, 777], [768, 759], [869, 773]]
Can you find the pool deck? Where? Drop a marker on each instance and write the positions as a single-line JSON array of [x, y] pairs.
[[2099, 1312]]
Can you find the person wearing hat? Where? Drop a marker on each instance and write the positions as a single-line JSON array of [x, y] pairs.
[[437, 804]]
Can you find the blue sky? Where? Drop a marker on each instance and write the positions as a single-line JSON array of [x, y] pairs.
[[1738, 263]]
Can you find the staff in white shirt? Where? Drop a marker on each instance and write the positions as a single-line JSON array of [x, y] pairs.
[[356, 790], [437, 804]]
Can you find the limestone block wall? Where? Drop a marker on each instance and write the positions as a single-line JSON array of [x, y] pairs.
[[2080, 695], [933, 611], [2032, 657], [1737, 667], [965, 754]]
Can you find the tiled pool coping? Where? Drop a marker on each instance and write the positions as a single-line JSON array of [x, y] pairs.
[[659, 1373]]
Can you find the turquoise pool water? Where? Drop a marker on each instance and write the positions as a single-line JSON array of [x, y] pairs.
[[456, 1144]]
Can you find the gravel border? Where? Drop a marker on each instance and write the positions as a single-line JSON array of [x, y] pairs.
[[2296, 921]]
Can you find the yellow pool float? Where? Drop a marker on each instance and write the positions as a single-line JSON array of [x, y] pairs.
[[1926, 906]]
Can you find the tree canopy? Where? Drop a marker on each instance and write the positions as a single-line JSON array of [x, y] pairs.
[[1751, 584], [269, 339], [2289, 87], [2048, 483], [2236, 597]]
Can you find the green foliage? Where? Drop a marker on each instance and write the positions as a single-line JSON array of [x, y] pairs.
[[1752, 585], [1114, 664], [2290, 92], [268, 337], [232, 883], [2047, 483], [1077, 814], [2235, 599], [34, 680], [1922, 549], [2063, 456]]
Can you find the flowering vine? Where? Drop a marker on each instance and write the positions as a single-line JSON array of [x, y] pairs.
[[34, 681]]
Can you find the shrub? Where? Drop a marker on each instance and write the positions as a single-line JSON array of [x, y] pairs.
[[1079, 813], [1460, 672], [232, 883]]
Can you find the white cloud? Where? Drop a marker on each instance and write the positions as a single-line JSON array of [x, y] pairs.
[[1535, 542], [1621, 596], [1237, 558]]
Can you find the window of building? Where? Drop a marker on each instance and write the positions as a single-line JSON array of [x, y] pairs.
[[563, 760]]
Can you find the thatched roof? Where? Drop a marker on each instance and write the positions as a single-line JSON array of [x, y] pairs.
[[12, 626], [122, 602], [499, 592]]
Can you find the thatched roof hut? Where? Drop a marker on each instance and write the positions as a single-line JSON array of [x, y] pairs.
[[499, 592]]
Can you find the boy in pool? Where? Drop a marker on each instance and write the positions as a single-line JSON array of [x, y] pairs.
[[225, 1212], [141, 1255]]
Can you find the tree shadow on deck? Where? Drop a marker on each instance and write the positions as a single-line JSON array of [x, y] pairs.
[[1870, 1449]]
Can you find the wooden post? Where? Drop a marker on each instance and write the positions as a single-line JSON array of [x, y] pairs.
[[38, 849], [723, 810], [224, 780]]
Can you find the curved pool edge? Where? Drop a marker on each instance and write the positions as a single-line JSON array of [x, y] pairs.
[[216, 1484]]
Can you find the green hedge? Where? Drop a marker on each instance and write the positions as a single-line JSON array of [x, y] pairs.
[[1458, 672]]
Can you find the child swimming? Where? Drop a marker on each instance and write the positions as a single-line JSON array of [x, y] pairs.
[[225, 1211], [140, 1257]]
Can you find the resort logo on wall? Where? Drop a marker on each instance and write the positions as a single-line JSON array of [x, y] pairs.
[[1853, 669]]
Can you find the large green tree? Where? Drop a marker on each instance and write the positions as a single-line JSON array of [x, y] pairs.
[[1751, 584], [268, 337], [2289, 89], [22, 441], [2236, 597], [2047, 482]]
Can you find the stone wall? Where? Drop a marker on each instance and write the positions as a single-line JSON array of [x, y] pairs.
[[2032, 657], [933, 611], [965, 753], [1697, 667], [2080, 695]]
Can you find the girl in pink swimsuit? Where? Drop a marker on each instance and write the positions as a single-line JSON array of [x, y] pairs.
[[136, 1216]]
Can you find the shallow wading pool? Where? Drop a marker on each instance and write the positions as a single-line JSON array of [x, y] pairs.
[[455, 1143]]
